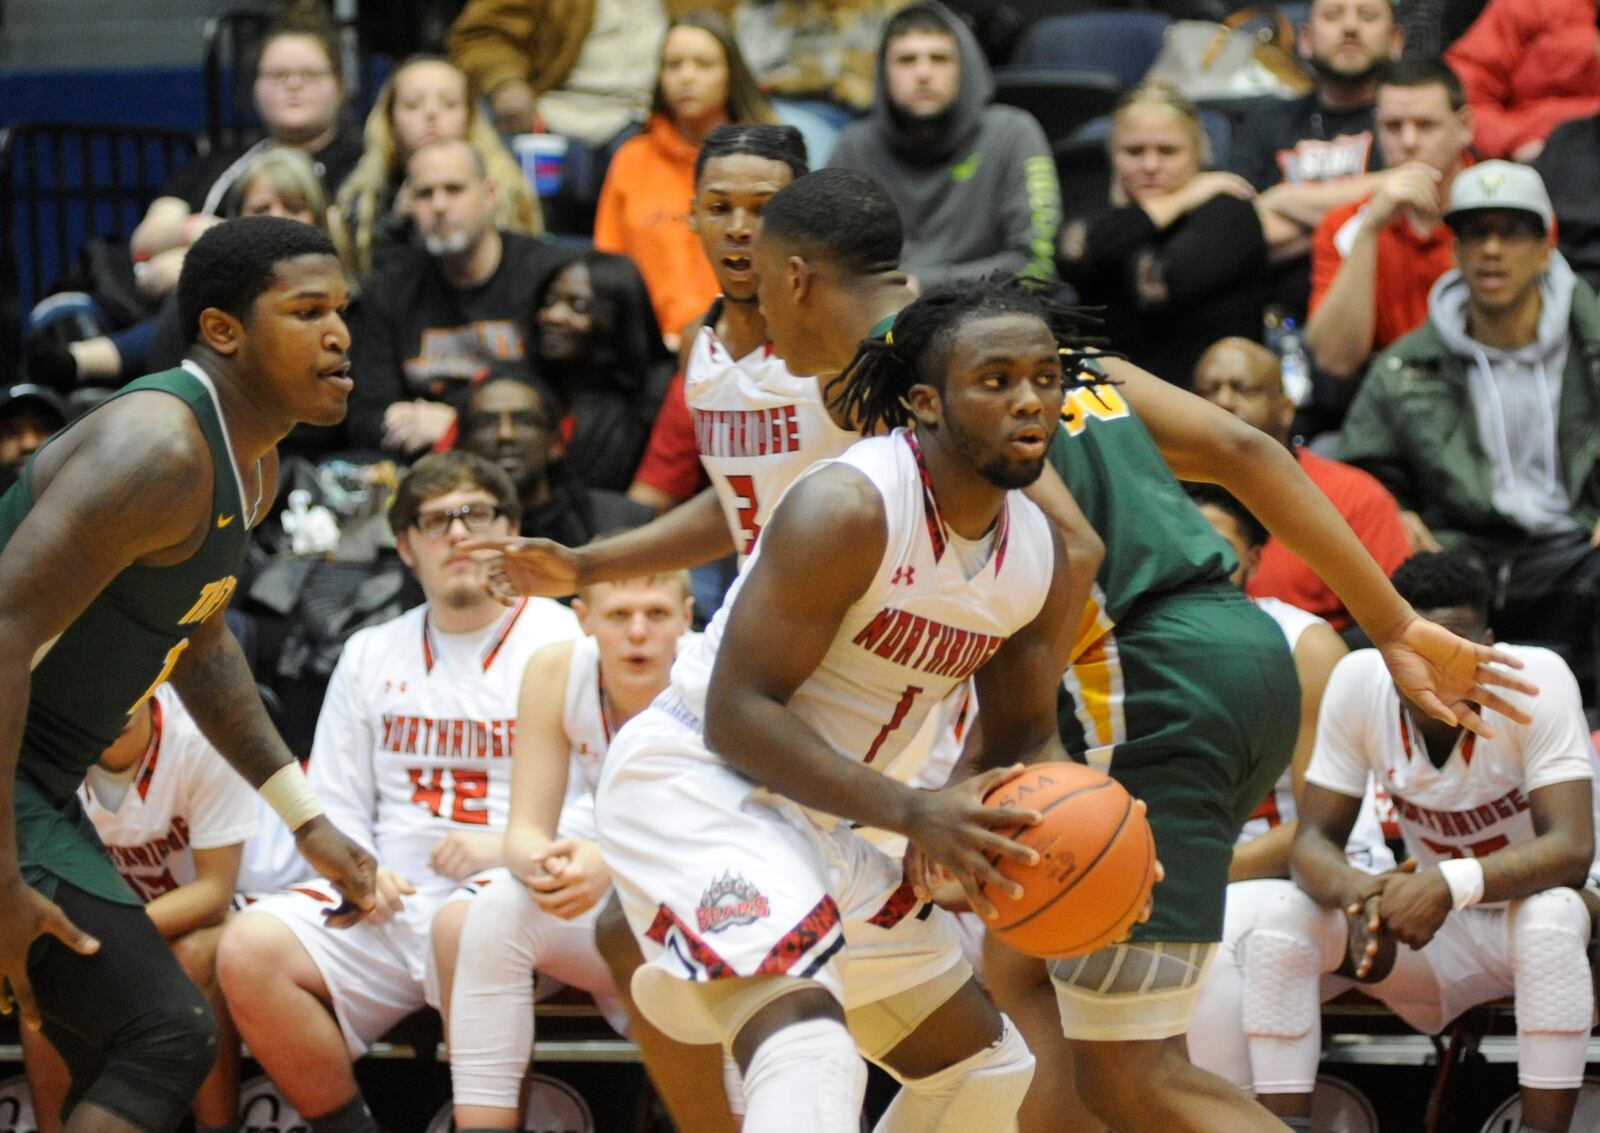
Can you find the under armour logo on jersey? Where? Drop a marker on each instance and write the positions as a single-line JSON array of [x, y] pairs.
[[903, 576]]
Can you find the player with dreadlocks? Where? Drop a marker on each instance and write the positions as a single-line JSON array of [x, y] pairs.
[[719, 806]]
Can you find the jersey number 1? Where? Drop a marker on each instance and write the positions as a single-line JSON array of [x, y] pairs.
[[898, 717]]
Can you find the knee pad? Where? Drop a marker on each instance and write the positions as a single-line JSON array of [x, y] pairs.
[[1285, 955], [880, 1026], [158, 1061], [984, 1091], [805, 1078], [1554, 989]]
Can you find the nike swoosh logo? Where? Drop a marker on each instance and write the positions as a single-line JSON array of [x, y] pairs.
[[224, 520]]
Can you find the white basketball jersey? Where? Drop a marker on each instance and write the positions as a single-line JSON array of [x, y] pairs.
[[1365, 847], [757, 426], [182, 797], [1477, 802], [415, 735], [922, 627]]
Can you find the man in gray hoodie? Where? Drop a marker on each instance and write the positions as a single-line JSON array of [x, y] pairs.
[[975, 183], [1483, 421]]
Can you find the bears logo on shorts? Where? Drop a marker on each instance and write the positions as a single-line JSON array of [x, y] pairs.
[[731, 900]]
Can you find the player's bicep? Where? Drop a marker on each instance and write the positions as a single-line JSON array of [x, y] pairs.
[[1316, 654], [1566, 808], [1017, 688], [1329, 813], [539, 754], [819, 553]]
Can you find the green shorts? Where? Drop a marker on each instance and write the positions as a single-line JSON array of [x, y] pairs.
[[58, 842], [1193, 705]]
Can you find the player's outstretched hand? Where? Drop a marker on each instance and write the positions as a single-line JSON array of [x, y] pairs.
[[573, 880], [25, 915], [349, 868], [954, 829], [1450, 678], [537, 568]]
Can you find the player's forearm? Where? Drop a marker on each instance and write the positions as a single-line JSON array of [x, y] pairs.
[[219, 691], [1340, 333], [1555, 858], [1266, 856], [1319, 867], [765, 742], [687, 536], [200, 904], [18, 680]]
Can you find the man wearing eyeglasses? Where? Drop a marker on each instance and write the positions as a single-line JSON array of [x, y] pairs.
[[413, 753], [1483, 421]]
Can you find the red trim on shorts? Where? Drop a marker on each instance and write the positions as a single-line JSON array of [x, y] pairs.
[[702, 953], [897, 907], [801, 939]]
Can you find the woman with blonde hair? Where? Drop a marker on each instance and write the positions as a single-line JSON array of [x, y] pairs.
[[1177, 258], [425, 99], [644, 204]]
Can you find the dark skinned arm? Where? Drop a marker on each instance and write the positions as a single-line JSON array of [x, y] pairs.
[[687, 536], [1448, 677], [131, 483], [1082, 549], [820, 551]]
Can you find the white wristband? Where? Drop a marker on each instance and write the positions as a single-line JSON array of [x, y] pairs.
[[1464, 876], [288, 793]]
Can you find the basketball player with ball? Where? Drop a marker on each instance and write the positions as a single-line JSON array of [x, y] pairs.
[[888, 575]]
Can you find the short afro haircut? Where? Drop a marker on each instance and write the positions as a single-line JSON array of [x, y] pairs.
[[1441, 580], [235, 261], [845, 218], [775, 143]]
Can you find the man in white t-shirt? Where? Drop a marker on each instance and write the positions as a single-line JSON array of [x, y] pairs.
[[174, 817], [413, 754], [1502, 830]]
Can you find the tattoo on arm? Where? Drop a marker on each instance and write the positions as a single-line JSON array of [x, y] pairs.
[[220, 692]]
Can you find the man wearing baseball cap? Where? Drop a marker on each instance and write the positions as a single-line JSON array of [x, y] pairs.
[[28, 415], [1482, 422]]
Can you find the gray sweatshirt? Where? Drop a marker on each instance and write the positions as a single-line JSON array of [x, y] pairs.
[[981, 196]]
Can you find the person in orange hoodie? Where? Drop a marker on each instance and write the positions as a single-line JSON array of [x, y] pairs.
[[644, 203]]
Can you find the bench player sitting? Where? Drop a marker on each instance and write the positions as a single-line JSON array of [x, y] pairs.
[[575, 697], [1503, 833], [413, 752]]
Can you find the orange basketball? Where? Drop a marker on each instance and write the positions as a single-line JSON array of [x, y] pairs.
[[1097, 862]]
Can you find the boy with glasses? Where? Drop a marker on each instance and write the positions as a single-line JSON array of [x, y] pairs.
[[413, 755]]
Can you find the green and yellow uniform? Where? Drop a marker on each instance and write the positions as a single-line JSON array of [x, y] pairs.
[[1179, 688], [110, 660]]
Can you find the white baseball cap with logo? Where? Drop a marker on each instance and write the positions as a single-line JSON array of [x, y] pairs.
[[1499, 185]]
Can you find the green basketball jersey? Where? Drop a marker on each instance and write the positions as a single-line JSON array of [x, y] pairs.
[[1156, 539], [126, 642]]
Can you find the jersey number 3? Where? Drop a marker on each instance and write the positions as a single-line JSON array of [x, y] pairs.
[[430, 793], [745, 507]]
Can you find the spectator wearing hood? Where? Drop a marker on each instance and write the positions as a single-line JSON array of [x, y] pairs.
[[974, 182], [1483, 421]]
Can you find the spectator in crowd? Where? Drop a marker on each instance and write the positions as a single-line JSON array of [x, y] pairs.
[[29, 414], [1244, 378], [411, 753], [511, 422], [1506, 822], [644, 204], [597, 347], [1570, 168], [438, 319], [816, 60], [1307, 155], [1178, 257], [426, 99], [175, 818], [1373, 260], [1528, 66], [299, 96], [974, 181], [1483, 421]]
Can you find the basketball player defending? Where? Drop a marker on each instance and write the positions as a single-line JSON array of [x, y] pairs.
[[413, 749], [1502, 830], [894, 572], [575, 696], [119, 549]]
